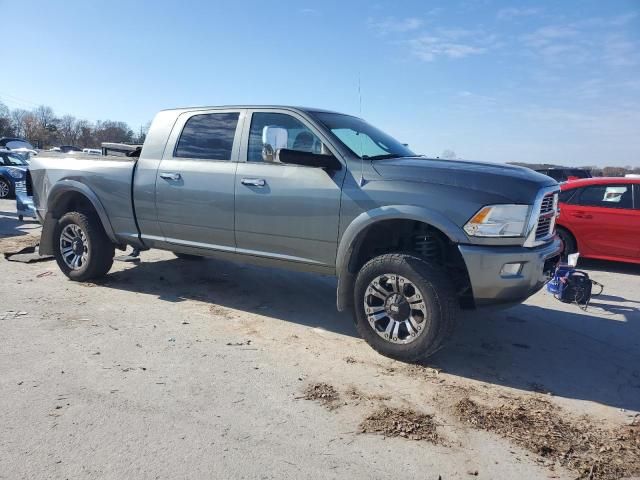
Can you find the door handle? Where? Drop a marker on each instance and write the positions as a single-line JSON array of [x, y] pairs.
[[254, 182], [170, 176], [582, 215]]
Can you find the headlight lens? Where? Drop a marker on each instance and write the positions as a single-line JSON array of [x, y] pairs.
[[15, 173], [499, 221]]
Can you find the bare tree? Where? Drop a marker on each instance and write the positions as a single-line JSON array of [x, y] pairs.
[[4, 111], [32, 129], [17, 119], [44, 116], [68, 129], [110, 131], [85, 134], [6, 126]]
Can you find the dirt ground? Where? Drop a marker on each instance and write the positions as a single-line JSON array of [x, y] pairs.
[[205, 369]]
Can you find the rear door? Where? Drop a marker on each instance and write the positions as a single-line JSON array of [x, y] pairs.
[[604, 221], [195, 180]]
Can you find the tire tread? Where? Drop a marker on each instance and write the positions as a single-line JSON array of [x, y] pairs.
[[102, 250], [433, 278]]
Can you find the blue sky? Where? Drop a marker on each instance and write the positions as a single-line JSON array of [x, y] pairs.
[[549, 81]]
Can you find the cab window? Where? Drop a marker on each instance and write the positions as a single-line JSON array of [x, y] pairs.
[[279, 130]]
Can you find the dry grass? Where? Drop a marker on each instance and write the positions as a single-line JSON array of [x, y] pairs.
[[323, 393], [541, 427], [401, 423], [352, 393]]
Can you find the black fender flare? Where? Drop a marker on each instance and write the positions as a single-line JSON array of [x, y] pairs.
[[55, 194], [354, 234]]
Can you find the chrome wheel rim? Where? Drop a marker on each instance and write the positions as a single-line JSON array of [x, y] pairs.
[[395, 308], [4, 189], [74, 247]]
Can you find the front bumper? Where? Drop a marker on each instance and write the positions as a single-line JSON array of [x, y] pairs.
[[490, 285]]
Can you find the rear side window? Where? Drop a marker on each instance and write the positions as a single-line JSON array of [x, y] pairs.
[[607, 196], [566, 196], [208, 137]]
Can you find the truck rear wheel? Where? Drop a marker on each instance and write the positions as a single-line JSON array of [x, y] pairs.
[[82, 249], [405, 307]]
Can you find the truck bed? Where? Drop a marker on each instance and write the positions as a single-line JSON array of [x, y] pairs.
[[109, 177]]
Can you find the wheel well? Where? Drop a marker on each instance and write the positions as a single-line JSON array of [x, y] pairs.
[[415, 237], [72, 202], [569, 232]]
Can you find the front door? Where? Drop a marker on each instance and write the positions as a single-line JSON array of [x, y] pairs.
[[287, 212], [195, 180]]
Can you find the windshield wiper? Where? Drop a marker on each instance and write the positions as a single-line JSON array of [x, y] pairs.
[[383, 157]]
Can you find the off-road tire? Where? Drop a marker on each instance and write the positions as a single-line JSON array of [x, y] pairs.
[[100, 248], [439, 297]]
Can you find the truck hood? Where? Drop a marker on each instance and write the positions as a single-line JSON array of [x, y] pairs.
[[518, 184]]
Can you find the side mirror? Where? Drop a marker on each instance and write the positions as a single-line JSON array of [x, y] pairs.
[[273, 138], [307, 159]]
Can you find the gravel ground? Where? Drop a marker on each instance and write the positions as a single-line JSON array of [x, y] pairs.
[[202, 369]]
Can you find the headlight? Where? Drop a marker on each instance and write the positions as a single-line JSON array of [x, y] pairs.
[[499, 221], [15, 173]]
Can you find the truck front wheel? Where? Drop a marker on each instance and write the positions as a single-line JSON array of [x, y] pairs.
[[405, 307], [82, 249]]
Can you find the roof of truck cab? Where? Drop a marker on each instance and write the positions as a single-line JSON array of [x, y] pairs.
[[221, 107]]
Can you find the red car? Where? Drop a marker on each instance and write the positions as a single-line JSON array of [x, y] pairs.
[[600, 218]]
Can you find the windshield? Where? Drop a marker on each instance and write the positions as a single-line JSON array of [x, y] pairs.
[[8, 159], [364, 140]]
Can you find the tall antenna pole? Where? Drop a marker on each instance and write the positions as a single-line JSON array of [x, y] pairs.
[[362, 182]]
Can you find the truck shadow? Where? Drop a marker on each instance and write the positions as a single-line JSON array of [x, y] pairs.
[[572, 354], [582, 355], [9, 224], [296, 297], [606, 266]]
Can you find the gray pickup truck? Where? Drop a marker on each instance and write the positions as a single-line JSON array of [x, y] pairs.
[[411, 239]]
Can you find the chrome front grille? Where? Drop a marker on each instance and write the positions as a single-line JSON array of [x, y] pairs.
[[547, 216], [21, 186], [547, 203]]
